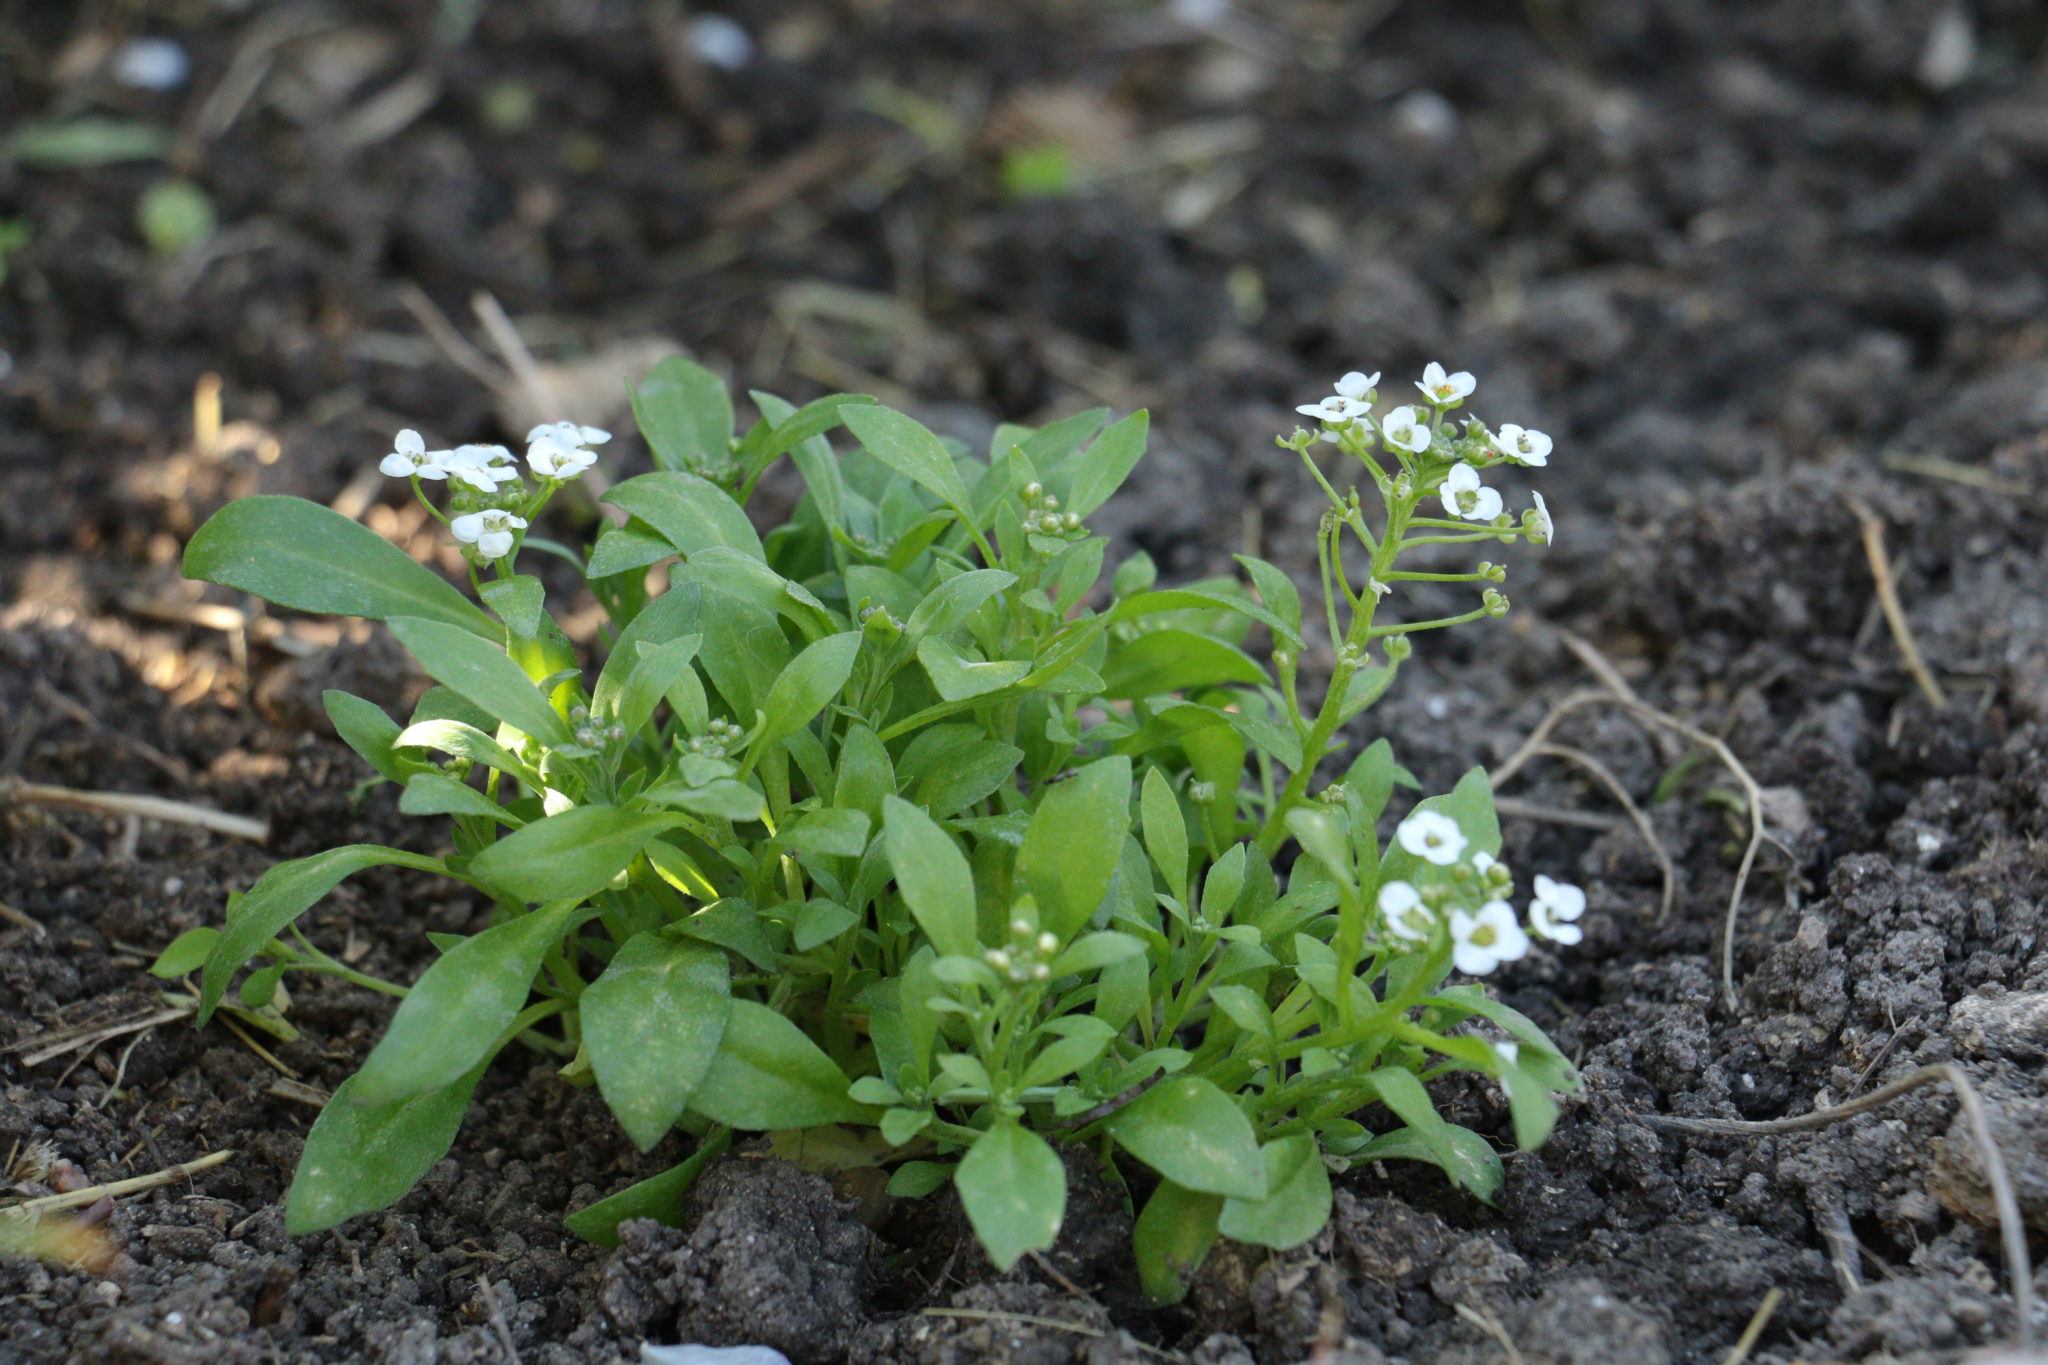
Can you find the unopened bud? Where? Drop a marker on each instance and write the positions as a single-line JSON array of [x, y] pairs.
[[1048, 944]]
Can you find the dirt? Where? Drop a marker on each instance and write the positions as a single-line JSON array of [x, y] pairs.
[[1755, 266]]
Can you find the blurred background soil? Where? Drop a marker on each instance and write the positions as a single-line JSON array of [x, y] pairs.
[[1771, 273]]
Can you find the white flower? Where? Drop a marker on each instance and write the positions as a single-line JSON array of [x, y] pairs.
[[1357, 385], [550, 459], [481, 467], [1556, 905], [154, 64], [570, 435], [409, 457], [1336, 408], [1432, 835], [553, 802], [720, 42], [1522, 445], [1402, 908], [1541, 518], [1465, 497], [1445, 389], [1378, 588], [490, 531], [1509, 1053], [1481, 942], [1405, 431]]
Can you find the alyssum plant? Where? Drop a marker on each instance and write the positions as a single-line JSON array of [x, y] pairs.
[[891, 819]]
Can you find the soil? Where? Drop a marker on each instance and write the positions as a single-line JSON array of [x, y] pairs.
[[1756, 266]]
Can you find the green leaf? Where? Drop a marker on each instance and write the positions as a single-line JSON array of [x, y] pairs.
[[451, 1019], [1192, 1133], [865, 774], [1166, 833], [620, 549], [660, 668], [721, 797], [301, 555], [658, 1197], [730, 924], [361, 1157], [1092, 952], [956, 678], [432, 793], [1370, 779], [652, 1025], [684, 413], [1463, 1155], [1073, 844], [1172, 1239], [185, 953], [260, 988], [1014, 1189], [768, 1075], [954, 600], [1323, 836], [834, 832], [364, 727], [691, 513], [1276, 590], [1247, 1009], [792, 429], [916, 1179], [970, 772], [1084, 1039], [518, 601], [820, 921], [1535, 1113], [280, 896], [483, 673], [1298, 1197], [1199, 599], [806, 687], [933, 876], [88, 140], [1405, 1095], [567, 856], [463, 741], [1173, 661], [1103, 469], [912, 451]]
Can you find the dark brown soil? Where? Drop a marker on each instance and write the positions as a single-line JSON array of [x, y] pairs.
[[1753, 264]]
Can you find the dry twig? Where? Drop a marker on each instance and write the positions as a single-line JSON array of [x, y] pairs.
[[1894, 611], [13, 791], [92, 1194]]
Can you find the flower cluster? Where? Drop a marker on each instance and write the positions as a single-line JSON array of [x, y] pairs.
[[490, 505], [554, 450], [1029, 954], [1484, 930], [1042, 515], [1433, 451]]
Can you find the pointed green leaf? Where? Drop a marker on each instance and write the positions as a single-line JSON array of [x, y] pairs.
[[1173, 661], [652, 1024], [907, 447], [685, 414], [806, 687], [451, 1019], [691, 513], [482, 672], [301, 555], [1192, 1133], [567, 856], [280, 896], [933, 876], [1074, 842], [1172, 1239], [1297, 1203], [360, 1158], [364, 727], [1014, 1189], [768, 1075], [1166, 833]]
